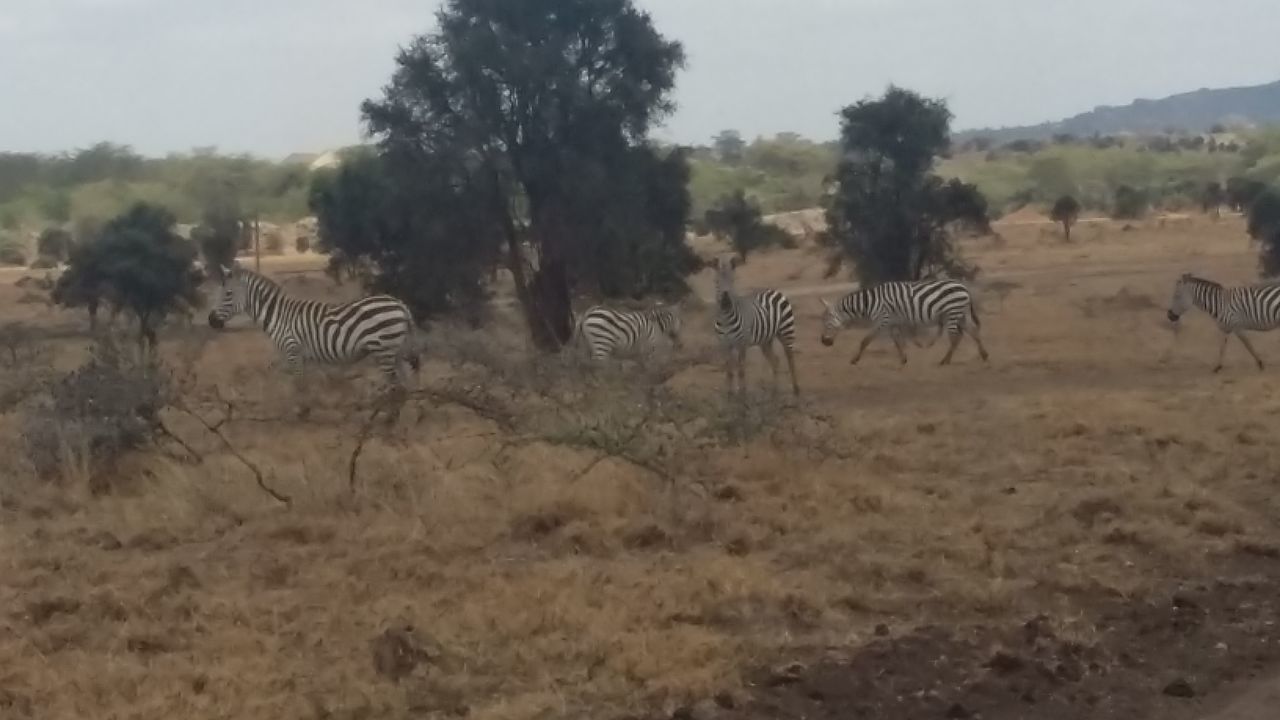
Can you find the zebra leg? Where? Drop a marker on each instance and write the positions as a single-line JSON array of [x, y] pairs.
[[1222, 351], [974, 333], [729, 355], [767, 349], [1249, 346], [293, 365], [791, 366], [955, 332], [740, 359], [897, 344], [862, 347]]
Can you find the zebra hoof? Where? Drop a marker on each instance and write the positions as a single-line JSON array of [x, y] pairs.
[[1217, 370]]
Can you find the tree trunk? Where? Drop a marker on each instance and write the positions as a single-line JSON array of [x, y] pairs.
[[1066, 230]]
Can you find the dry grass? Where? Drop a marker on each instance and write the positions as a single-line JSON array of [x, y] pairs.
[[581, 562]]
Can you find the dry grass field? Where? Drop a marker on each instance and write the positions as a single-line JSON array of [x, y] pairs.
[[532, 540]]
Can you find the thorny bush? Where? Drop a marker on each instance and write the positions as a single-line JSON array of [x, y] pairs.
[[91, 416]]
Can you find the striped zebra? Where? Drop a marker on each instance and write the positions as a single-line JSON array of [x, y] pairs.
[[1234, 309], [757, 318], [906, 306], [607, 331], [309, 330]]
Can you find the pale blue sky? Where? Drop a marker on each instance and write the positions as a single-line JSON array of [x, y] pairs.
[[278, 76]]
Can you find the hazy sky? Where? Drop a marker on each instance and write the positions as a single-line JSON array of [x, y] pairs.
[[278, 76]]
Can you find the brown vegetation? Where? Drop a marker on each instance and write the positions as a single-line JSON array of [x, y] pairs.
[[534, 539]]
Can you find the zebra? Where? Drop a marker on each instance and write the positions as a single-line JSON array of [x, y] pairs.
[[309, 330], [899, 306], [757, 318], [607, 331], [1234, 309]]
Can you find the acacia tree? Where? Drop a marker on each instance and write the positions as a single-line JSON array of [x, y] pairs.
[[537, 113], [140, 264], [890, 214], [1065, 212]]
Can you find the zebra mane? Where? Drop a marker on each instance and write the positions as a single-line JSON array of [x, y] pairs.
[[1197, 280]]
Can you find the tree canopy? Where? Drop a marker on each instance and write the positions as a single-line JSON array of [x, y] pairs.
[[137, 263], [890, 214], [537, 113], [1264, 227], [738, 219]]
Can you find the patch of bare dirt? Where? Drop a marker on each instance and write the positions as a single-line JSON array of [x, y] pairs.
[[1172, 658]]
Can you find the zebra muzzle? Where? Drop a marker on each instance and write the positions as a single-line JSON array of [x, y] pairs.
[[828, 341], [1173, 317], [216, 322]]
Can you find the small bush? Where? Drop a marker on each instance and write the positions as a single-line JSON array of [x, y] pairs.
[[1130, 203], [90, 417]]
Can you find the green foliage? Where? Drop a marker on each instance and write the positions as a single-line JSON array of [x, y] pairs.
[[1241, 192], [891, 215], [1130, 203], [537, 114], [106, 179], [54, 244], [426, 234], [139, 264], [737, 218]]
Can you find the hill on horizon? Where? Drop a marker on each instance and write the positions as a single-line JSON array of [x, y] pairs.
[[1194, 112]]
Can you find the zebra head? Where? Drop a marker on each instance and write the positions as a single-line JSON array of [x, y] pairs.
[[725, 267], [668, 321], [1183, 296], [230, 297]]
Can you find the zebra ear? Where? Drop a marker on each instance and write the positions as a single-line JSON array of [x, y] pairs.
[[825, 305]]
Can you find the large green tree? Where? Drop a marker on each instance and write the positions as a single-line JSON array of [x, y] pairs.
[[538, 112], [890, 214]]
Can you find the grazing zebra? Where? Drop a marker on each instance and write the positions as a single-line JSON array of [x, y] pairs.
[[309, 330], [1235, 309], [895, 306], [607, 331], [757, 318]]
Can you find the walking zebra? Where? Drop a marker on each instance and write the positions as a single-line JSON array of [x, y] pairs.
[[895, 306], [607, 331], [309, 330], [757, 318], [1234, 309]]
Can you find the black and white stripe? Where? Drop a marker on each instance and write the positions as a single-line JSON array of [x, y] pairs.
[[900, 306], [313, 331], [607, 331], [1234, 309], [756, 318]]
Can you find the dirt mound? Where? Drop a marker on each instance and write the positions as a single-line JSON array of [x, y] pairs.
[[1133, 660]]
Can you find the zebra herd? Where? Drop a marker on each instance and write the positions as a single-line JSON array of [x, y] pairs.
[[383, 326]]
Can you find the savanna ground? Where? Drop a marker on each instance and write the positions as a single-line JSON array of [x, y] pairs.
[[1086, 527]]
